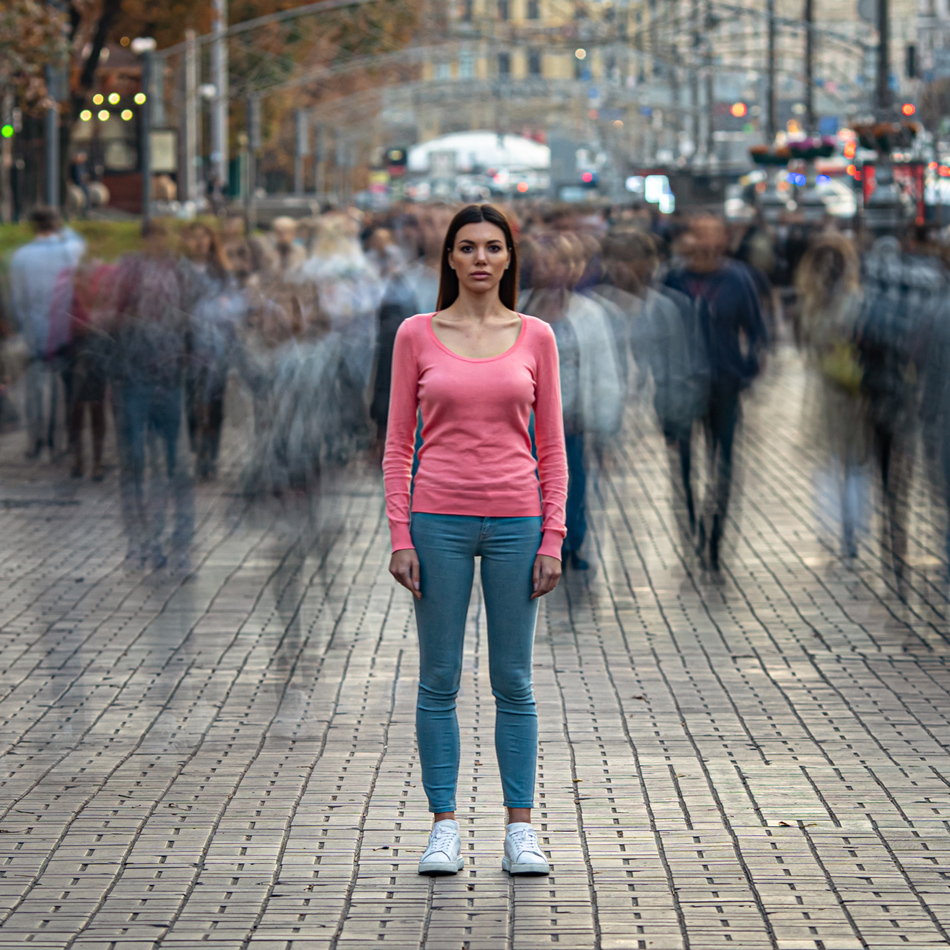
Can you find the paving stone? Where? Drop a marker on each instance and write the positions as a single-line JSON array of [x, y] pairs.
[[755, 761]]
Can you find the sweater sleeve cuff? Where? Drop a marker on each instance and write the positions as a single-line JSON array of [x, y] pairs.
[[401, 537], [551, 542]]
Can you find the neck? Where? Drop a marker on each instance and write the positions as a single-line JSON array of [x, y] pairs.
[[478, 306]]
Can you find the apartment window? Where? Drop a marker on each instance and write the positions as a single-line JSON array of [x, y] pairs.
[[442, 71], [534, 10], [466, 64], [534, 62], [504, 13], [504, 64], [467, 10]]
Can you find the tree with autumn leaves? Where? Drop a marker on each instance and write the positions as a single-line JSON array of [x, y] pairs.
[[36, 33], [32, 35]]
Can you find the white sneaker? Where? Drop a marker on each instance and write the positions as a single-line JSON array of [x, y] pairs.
[[444, 854], [523, 854]]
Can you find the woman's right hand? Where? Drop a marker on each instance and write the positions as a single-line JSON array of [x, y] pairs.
[[404, 566]]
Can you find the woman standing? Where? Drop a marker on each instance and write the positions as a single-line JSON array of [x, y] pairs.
[[477, 370]]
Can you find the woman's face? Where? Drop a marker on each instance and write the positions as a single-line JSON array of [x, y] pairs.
[[239, 259], [197, 244], [480, 256]]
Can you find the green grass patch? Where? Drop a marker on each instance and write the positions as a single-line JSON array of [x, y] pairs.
[[107, 240]]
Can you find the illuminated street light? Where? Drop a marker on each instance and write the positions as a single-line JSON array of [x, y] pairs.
[[85, 115], [126, 115], [98, 99], [580, 53], [114, 98], [140, 97], [104, 115]]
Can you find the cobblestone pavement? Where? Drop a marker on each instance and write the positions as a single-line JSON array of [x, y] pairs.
[[229, 760]]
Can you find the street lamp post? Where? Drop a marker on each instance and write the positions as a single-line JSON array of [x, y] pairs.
[[52, 136], [145, 47], [771, 122], [219, 116]]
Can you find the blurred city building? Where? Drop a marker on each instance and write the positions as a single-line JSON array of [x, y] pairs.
[[324, 100]]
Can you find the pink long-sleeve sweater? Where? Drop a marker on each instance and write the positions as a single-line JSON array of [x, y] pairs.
[[476, 456]]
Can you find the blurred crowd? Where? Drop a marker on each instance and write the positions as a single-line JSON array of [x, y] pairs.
[[659, 322]]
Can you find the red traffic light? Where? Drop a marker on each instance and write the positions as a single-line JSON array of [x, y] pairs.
[[738, 109], [908, 108], [587, 177]]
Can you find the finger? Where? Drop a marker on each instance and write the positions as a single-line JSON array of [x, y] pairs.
[[549, 581], [541, 587], [415, 576]]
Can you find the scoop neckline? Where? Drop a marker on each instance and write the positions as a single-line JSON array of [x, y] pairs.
[[477, 359]]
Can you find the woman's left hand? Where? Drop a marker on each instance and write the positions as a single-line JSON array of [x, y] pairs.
[[546, 574]]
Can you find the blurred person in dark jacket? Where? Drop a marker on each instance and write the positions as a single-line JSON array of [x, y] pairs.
[[735, 336], [91, 352], [208, 289], [150, 330], [901, 293], [666, 345]]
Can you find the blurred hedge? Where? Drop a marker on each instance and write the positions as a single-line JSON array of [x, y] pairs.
[[107, 240]]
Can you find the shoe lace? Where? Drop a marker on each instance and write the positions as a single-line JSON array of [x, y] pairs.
[[526, 839], [440, 839]]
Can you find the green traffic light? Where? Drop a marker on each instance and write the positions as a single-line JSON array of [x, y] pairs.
[[7, 131]]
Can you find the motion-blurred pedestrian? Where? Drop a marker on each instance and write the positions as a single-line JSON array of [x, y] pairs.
[[150, 329], [35, 270], [591, 389], [830, 307], [735, 336]]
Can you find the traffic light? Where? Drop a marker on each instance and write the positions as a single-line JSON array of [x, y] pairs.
[[11, 123], [589, 179], [908, 109], [738, 110], [397, 157]]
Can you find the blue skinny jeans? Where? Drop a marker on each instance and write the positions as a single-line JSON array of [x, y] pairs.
[[447, 546]]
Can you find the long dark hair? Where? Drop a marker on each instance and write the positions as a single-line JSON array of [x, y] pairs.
[[449, 280]]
